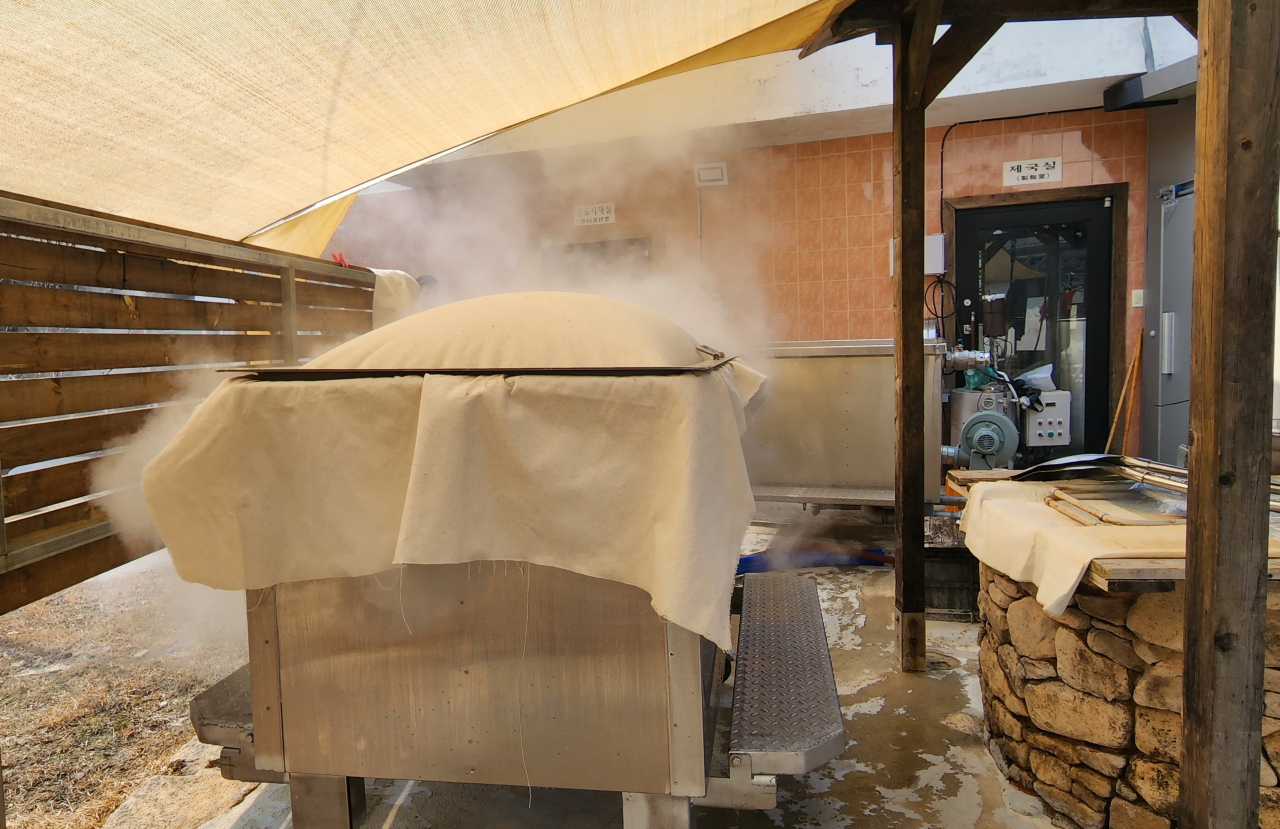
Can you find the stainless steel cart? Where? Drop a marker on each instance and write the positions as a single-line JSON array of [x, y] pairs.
[[517, 674]]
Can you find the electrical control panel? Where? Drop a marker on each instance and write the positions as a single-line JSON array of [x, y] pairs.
[[1052, 425]]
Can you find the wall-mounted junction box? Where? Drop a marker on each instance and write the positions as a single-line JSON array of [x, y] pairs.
[[1052, 426], [935, 254]]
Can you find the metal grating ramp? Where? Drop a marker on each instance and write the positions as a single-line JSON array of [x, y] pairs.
[[786, 712]]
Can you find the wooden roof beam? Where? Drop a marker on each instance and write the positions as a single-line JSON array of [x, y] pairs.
[[865, 15], [954, 50], [920, 49]]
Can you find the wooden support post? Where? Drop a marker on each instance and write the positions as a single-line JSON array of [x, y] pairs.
[[321, 801], [289, 317], [908, 357], [1233, 289], [264, 679]]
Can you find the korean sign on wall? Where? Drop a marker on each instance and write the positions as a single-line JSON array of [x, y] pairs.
[[593, 214], [1032, 171]]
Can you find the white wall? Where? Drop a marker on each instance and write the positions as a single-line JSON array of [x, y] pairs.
[[845, 89]]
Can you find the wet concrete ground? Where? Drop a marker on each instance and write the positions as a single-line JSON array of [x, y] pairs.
[[914, 757]]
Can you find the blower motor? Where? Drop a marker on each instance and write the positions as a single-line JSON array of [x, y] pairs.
[[987, 441]]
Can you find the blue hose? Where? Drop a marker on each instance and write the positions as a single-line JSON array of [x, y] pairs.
[[801, 559]]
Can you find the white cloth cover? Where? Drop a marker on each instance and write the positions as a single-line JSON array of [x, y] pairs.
[[1008, 527], [395, 296], [638, 479]]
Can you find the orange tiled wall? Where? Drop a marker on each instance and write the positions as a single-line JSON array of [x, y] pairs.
[[831, 209]]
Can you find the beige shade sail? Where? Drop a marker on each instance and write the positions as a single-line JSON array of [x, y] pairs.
[[224, 117], [307, 233]]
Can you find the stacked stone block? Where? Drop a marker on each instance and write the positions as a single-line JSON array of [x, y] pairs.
[[1085, 709]]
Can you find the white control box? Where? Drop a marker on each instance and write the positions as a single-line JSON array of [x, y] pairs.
[[1052, 426]]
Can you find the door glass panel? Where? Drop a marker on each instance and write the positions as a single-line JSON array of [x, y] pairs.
[[1039, 271]]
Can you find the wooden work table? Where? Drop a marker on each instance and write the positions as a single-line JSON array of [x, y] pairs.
[[1115, 575], [1147, 575]]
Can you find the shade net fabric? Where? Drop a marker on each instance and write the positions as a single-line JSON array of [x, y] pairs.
[[634, 478], [224, 117]]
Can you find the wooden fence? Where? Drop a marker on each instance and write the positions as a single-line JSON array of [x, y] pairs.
[[101, 324]]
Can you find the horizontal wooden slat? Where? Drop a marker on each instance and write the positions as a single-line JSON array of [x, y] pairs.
[[32, 261], [26, 305], [50, 439], [36, 261], [32, 353], [335, 320], [50, 221], [39, 488], [1147, 575], [45, 577], [53, 396], [313, 346], [16, 531], [333, 296]]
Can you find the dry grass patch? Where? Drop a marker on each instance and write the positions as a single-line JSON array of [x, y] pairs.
[[96, 683]]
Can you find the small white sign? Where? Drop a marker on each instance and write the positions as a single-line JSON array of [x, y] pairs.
[[1032, 171], [593, 214]]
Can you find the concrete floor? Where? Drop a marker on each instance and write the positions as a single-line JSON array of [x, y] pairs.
[[914, 758]]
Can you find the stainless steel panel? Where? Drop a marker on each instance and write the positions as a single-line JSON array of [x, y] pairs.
[[1167, 286], [828, 419], [1172, 385], [827, 496], [503, 673], [685, 706], [847, 348]]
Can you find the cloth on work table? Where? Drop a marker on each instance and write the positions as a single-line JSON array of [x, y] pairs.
[[638, 479], [395, 296], [1008, 527]]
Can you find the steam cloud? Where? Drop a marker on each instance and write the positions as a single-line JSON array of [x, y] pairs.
[[120, 472], [504, 223]]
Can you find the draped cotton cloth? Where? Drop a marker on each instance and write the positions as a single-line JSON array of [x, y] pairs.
[[638, 479], [1008, 527]]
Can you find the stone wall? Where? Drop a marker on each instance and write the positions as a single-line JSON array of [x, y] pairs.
[[1085, 709]]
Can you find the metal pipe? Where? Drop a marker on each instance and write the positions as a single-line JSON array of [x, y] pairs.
[[1155, 466], [1134, 473], [1171, 471]]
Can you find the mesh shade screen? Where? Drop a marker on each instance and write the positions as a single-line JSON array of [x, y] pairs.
[[224, 116]]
